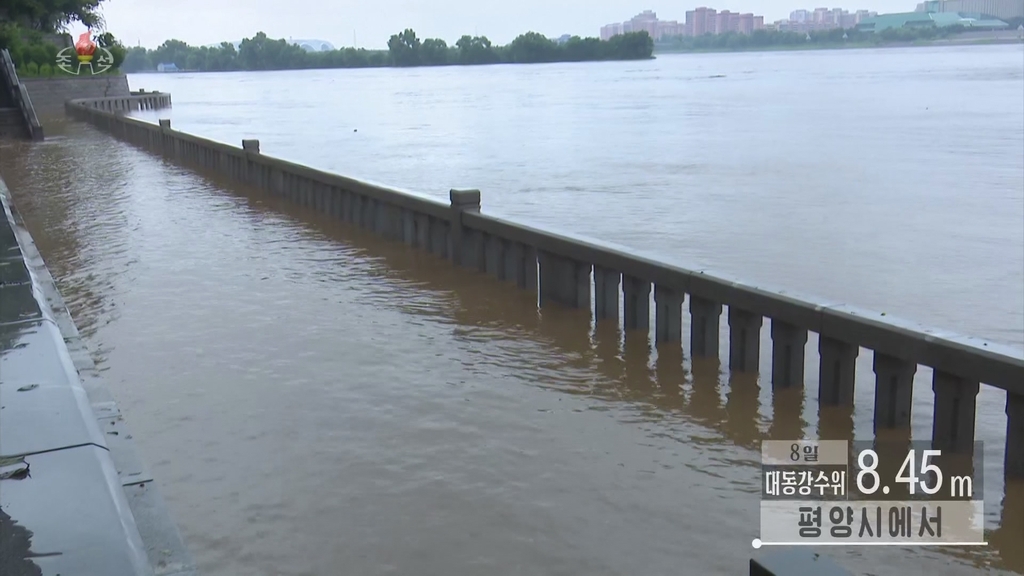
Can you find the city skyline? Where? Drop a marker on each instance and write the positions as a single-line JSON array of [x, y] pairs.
[[348, 22], [708, 20]]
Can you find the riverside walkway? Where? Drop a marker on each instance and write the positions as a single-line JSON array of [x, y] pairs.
[[75, 497]]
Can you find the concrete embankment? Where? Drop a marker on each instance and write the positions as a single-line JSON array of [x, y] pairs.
[[49, 94], [75, 497]]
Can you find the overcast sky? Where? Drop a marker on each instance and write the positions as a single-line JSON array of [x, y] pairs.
[[199, 22]]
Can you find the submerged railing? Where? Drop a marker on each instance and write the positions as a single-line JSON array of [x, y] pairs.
[[568, 270]]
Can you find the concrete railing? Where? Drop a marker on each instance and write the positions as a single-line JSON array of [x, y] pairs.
[[140, 100], [19, 95], [569, 270]]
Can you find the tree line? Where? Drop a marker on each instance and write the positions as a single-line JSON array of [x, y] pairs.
[[404, 49], [30, 29], [761, 39]]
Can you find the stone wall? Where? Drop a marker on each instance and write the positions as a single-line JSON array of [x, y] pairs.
[[49, 94]]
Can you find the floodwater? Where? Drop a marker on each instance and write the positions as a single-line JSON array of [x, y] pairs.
[[313, 400]]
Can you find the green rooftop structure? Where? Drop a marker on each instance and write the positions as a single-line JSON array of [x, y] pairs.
[[931, 20]]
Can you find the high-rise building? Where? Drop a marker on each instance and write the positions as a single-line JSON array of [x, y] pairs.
[[819, 19], [699, 21], [1002, 9]]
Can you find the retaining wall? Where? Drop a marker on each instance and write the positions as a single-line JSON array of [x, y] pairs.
[[49, 94], [569, 270]]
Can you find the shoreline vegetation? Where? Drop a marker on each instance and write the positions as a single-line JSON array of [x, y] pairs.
[[405, 50]]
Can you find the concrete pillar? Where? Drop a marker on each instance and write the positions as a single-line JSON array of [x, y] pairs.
[[837, 372], [384, 218], [166, 123], [439, 237], [744, 340], [408, 227], [668, 315], [636, 303], [788, 345], [521, 266], [493, 257], [606, 293], [704, 315], [1013, 461], [378, 217], [351, 207], [461, 201], [894, 391], [564, 280], [252, 145], [473, 249], [422, 231], [953, 421]]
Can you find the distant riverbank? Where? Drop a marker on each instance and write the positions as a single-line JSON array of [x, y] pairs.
[[834, 40], [405, 50], [860, 45]]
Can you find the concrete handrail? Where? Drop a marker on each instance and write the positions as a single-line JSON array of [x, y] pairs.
[[994, 364], [20, 96], [515, 250]]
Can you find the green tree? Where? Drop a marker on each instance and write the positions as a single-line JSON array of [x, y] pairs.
[[51, 15], [533, 47], [476, 50], [404, 48], [434, 52], [138, 59], [117, 50]]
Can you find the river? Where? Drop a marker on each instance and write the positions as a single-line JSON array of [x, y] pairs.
[[314, 400]]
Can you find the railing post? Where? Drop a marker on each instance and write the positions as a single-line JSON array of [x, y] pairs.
[[704, 318], [636, 303], [837, 371], [563, 280], [1013, 461], [954, 413], [744, 340], [521, 265], [788, 344], [668, 315], [894, 391], [606, 293], [461, 201]]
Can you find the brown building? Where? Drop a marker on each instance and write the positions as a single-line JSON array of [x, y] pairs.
[[647, 21], [709, 21], [699, 21]]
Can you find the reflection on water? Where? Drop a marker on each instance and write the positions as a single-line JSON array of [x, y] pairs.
[[315, 401]]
